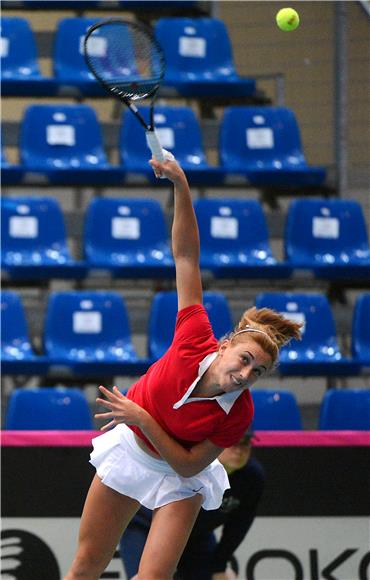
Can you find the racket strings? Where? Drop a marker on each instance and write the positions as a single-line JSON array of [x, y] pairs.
[[125, 58]]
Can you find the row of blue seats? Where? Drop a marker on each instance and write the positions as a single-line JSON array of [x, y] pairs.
[[64, 144], [59, 408], [198, 53], [93, 4], [129, 238], [89, 333]]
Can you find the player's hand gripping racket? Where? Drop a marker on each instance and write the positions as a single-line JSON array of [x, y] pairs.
[[127, 60]]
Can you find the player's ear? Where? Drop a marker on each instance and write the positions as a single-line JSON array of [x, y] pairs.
[[223, 346]]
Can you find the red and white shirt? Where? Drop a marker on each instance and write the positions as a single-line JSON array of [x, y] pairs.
[[165, 390]]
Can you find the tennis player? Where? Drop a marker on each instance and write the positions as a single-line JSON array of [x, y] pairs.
[[176, 420]]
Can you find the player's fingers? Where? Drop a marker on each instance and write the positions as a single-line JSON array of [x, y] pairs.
[[108, 425], [104, 403]]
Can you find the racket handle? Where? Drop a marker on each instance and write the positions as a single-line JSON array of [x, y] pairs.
[[154, 145]]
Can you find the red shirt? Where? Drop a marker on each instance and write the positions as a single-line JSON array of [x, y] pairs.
[[168, 379]]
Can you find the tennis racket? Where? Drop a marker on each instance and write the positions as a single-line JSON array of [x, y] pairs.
[[127, 60]]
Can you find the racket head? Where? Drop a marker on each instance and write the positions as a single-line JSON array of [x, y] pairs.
[[125, 57]]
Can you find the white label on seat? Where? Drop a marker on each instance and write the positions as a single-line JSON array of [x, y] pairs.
[[224, 227], [60, 135], [23, 227], [125, 228], [96, 45], [296, 317], [4, 47], [325, 227], [261, 138], [194, 46], [166, 137], [87, 322]]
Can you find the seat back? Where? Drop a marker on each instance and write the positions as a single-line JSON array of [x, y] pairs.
[[347, 409], [18, 49], [163, 314], [260, 138], [326, 231], [49, 408], [15, 342], [233, 226], [87, 326], [178, 131], [61, 136], [69, 61], [361, 329], [196, 47], [115, 227], [32, 230], [318, 334], [275, 410]]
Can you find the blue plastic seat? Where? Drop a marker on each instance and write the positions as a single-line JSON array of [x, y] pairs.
[[70, 68], [328, 237], [199, 59], [89, 332], [48, 408], [33, 240], [347, 409], [275, 410], [179, 132], [162, 319], [64, 143], [128, 237], [361, 330], [318, 352], [234, 239], [17, 354], [19, 65], [264, 145]]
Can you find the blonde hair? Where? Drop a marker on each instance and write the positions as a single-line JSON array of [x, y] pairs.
[[269, 329]]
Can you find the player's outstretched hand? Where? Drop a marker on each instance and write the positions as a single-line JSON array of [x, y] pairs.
[[169, 168], [120, 409]]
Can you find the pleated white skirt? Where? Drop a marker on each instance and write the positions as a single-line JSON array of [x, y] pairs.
[[125, 467]]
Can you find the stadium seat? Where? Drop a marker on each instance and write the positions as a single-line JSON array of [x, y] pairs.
[[20, 71], [64, 144], [52, 4], [347, 409], [234, 239], [33, 240], [89, 333], [264, 145], [199, 59], [361, 330], [70, 68], [163, 314], [128, 237], [17, 355], [318, 352], [328, 237], [275, 410], [179, 132], [48, 408]]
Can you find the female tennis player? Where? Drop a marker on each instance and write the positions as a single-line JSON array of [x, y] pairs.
[[176, 420]]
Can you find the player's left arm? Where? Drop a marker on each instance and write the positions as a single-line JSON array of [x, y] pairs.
[[186, 462]]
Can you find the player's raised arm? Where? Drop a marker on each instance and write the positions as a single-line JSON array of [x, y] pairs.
[[185, 236]]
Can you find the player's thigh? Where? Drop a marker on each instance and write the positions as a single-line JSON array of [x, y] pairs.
[[168, 535], [105, 516]]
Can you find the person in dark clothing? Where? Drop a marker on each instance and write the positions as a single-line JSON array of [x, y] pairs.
[[204, 558]]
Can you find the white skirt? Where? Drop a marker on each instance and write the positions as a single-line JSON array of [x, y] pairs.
[[123, 466]]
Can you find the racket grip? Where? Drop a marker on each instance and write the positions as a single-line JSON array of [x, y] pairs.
[[154, 145]]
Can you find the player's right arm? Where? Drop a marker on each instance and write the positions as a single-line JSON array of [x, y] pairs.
[[185, 236]]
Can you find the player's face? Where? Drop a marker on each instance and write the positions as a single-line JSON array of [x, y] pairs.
[[241, 364]]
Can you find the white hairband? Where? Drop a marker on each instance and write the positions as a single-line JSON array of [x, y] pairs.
[[250, 329]]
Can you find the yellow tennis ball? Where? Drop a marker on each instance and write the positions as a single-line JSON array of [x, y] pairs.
[[287, 19]]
